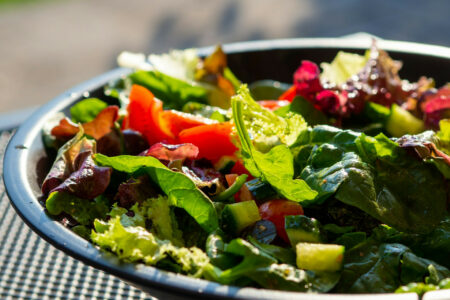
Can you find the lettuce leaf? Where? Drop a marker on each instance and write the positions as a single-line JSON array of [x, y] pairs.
[[181, 191], [343, 66], [265, 127], [174, 93], [135, 243], [82, 210], [276, 166], [86, 110]]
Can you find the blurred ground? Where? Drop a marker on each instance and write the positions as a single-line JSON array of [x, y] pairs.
[[48, 46]]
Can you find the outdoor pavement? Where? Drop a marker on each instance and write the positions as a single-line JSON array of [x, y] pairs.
[[48, 46]]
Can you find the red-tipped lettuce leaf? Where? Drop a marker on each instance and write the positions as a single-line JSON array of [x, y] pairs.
[[88, 181], [307, 80], [173, 152], [97, 128]]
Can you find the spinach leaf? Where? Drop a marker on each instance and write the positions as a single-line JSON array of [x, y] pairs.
[[283, 255], [172, 91], [275, 167], [252, 259], [181, 191], [263, 269], [371, 174], [434, 245], [382, 268], [382, 193], [86, 110], [351, 239]]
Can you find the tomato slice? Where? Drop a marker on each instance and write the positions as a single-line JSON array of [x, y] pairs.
[[178, 121], [145, 116], [289, 95], [273, 104], [213, 140], [276, 210]]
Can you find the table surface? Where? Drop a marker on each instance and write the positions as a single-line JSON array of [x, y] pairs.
[[31, 268]]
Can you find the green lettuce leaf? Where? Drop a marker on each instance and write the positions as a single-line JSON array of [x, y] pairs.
[[174, 93], [179, 64], [82, 210], [86, 110], [265, 127], [443, 136], [181, 191], [343, 66], [135, 243], [164, 223], [276, 166]]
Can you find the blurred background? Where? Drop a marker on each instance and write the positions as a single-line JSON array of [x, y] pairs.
[[47, 46]]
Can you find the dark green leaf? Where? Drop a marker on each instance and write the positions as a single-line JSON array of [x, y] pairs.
[[267, 89], [382, 268], [312, 115]]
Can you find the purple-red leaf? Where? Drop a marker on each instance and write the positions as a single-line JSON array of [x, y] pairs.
[[173, 152], [88, 181]]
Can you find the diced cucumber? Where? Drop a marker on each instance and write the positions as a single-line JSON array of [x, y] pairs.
[[225, 164], [302, 229], [238, 216], [260, 190], [401, 122], [320, 257], [376, 112]]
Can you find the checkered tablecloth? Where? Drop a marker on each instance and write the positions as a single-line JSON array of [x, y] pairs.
[[30, 268]]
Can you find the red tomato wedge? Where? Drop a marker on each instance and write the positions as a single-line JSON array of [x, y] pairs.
[[145, 116], [289, 95], [273, 104], [178, 121], [213, 140], [276, 210]]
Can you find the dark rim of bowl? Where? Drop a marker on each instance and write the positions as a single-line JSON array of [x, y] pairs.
[[28, 207]]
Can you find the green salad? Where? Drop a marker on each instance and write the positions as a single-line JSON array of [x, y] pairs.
[[334, 183]]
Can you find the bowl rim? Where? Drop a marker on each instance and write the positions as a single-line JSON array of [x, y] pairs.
[[19, 191]]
